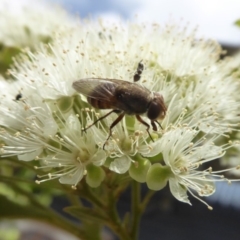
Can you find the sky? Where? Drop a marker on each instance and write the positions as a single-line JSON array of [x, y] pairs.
[[215, 18]]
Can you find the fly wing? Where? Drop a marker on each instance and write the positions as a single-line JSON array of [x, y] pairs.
[[98, 88]]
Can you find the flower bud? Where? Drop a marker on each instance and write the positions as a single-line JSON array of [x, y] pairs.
[[65, 104], [95, 175], [158, 176], [138, 170]]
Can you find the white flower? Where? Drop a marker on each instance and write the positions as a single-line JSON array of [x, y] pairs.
[[76, 153], [31, 24], [232, 69], [26, 123], [232, 64], [200, 99], [125, 142], [186, 158], [186, 71], [54, 139], [231, 158]]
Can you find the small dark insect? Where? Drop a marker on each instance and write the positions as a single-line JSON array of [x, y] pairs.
[[138, 73], [18, 96], [123, 97]]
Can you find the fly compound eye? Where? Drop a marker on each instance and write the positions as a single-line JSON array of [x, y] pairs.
[[154, 110]]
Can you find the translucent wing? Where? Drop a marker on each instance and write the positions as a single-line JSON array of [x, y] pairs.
[[98, 88]]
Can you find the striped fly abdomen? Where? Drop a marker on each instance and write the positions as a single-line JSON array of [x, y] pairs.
[[96, 103]]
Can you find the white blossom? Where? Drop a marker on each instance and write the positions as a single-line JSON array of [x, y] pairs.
[[75, 154], [195, 85], [30, 24], [26, 124], [53, 139], [47, 124], [187, 159], [124, 143]]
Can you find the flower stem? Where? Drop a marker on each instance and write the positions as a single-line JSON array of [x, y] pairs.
[[147, 198], [114, 220], [136, 210], [90, 196]]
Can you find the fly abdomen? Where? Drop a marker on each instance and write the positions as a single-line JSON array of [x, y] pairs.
[[96, 103]]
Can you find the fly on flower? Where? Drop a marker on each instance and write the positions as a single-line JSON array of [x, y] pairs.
[[123, 97]]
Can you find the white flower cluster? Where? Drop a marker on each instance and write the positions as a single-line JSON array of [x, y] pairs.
[[42, 115], [231, 158], [28, 24]]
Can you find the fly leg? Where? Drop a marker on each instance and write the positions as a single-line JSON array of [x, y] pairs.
[[146, 124], [99, 119], [116, 121], [153, 123]]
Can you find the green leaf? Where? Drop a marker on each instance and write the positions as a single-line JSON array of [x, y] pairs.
[[92, 230], [13, 210], [10, 209]]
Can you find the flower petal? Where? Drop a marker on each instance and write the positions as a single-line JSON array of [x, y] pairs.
[[178, 191], [120, 165], [99, 158], [74, 178], [30, 156]]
